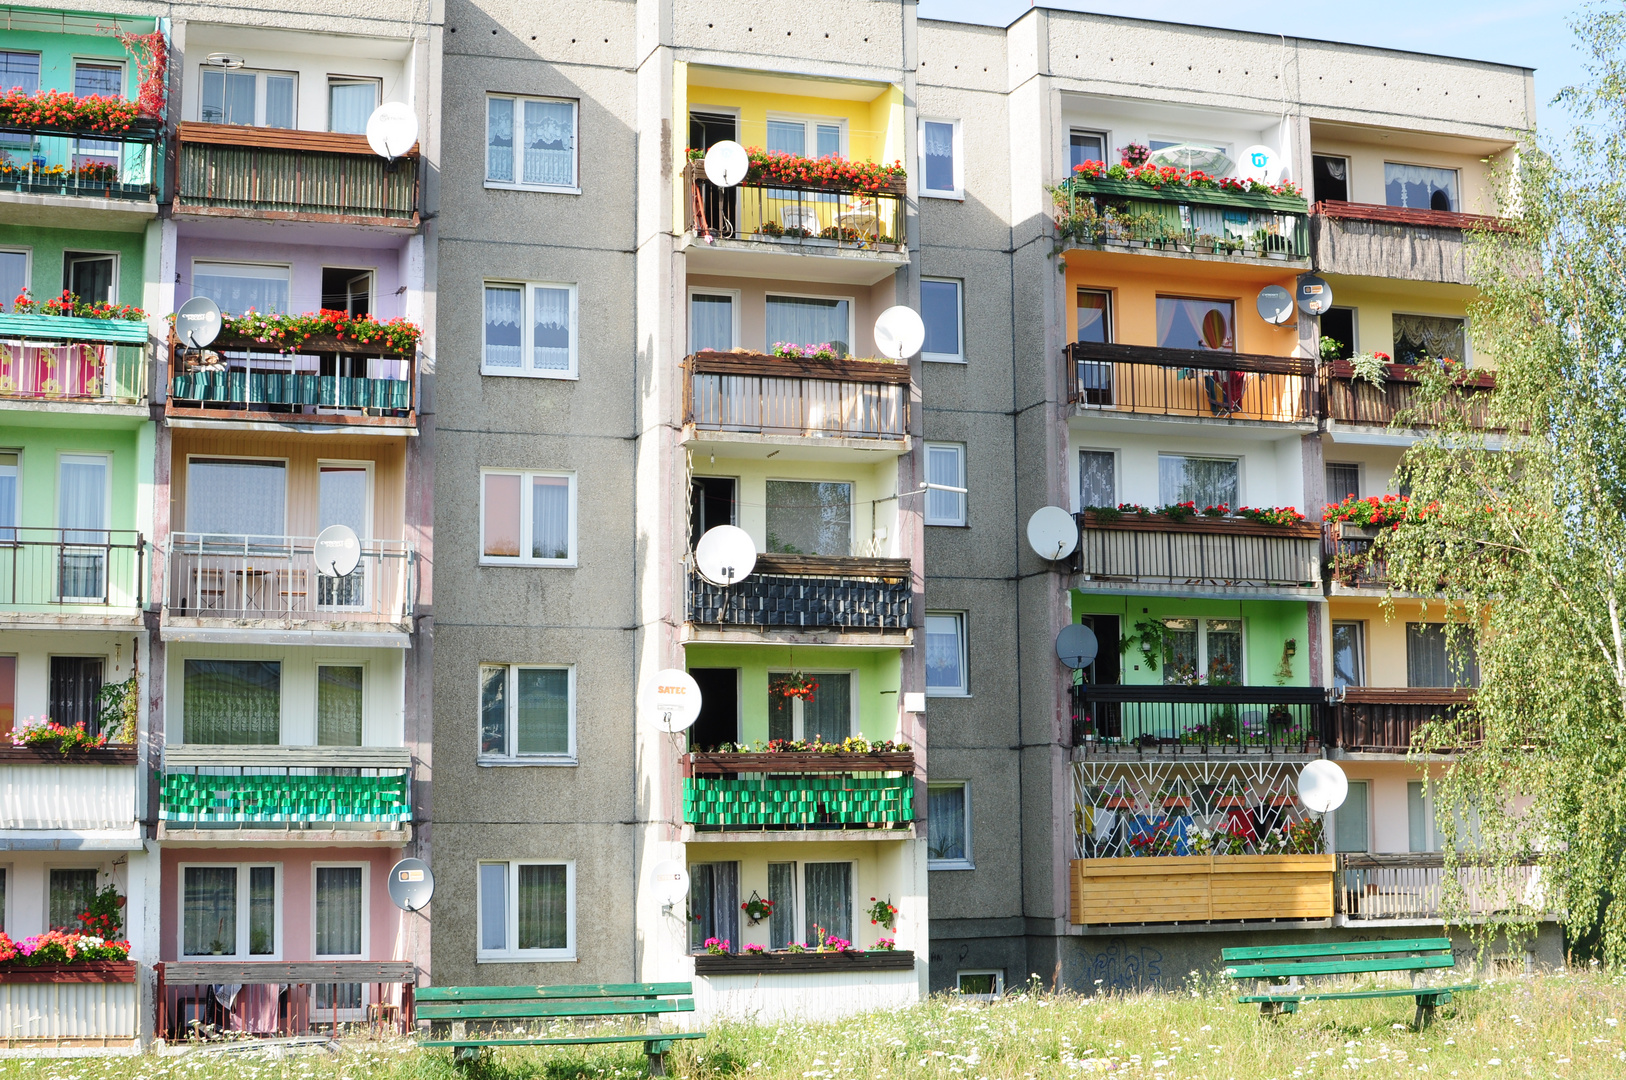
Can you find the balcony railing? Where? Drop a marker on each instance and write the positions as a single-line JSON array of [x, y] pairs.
[[1126, 213], [798, 792], [82, 1004], [1198, 720], [206, 998], [807, 219], [51, 569], [91, 790], [304, 175], [756, 394], [1356, 401], [1205, 554], [327, 381], [1412, 886], [1383, 720], [1353, 560], [806, 592], [85, 372], [1368, 240], [1198, 383], [213, 576], [288, 787], [44, 161]]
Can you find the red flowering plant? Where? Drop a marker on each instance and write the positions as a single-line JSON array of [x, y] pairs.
[[287, 333], [102, 917], [852, 744], [777, 167], [59, 947], [57, 110], [1372, 512], [882, 913], [794, 685], [1269, 515], [1179, 511], [69, 305], [47, 734], [1216, 511], [1164, 839], [1161, 176], [151, 52]]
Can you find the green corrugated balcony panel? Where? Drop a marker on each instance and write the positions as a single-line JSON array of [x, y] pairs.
[[792, 801], [210, 799]]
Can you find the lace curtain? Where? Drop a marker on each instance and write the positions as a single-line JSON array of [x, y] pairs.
[[1420, 187], [1419, 336], [939, 140], [809, 517], [943, 657], [1203, 481], [1097, 482], [829, 715], [338, 911], [236, 498], [550, 517], [236, 289], [232, 702], [943, 467], [829, 900], [550, 143], [550, 345], [503, 305], [500, 140], [338, 706]]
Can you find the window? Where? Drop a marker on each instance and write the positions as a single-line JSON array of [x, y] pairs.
[[338, 705], [828, 716], [13, 275], [1423, 833], [782, 895], [945, 654], [527, 714], [341, 893], [713, 321], [258, 98], [1097, 478], [809, 320], [1343, 481], [2, 899], [810, 517], [941, 312], [82, 513], [91, 276], [530, 330], [982, 985], [8, 712], [347, 290], [1419, 338], [1420, 187], [1338, 331], [713, 501], [231, 911], [948, 826], [1085, 146], [1348, 654], [1351, 831], [1201, 481], [19, 71], [232, 702], [75, 689], [350, 103], [344, 498], [70, 893], [1205, 649], [236, 497], [945, 466], [529, 518], [815, 137], [1094, 316], [827, 901], [8, 495], [1184, 323], [714, 904], [98, 79], [527, 911], [940, 154], [237, 287], [1430, 663], [1329, 178], [547, 143]]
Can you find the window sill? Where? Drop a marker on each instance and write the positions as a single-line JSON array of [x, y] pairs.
[[950, 864], [486, 560], [510, 373], [498, 185], [942, 359], [512, 958], [948, 524], [948, 693], [526, 763], [956, 196]]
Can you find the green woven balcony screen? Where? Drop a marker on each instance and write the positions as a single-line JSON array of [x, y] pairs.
[[798, 801], [274, 388], [296, 800]]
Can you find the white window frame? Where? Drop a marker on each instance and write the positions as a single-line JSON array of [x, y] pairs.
[[259, 94], [68, 258], [810, 123], [1078, 472], [960, 455], [242, 954], [337, 659], [801, 900], [510, 954], [999, 983], [366, 899], [967, 863], [959, 315], [779, 294], [27, 252], [287, 466], [286, 268], [958, 191], [964, 689], [525, 495], [17, 506], [511, 738], [575, 144], [796, 704], [95, 61], [335, 78], [1101, 133], [527, 326], [734, 309], [1202, 622]]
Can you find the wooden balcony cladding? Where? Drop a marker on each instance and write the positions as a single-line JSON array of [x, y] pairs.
[[1383, 720], [1370, 240], [1355, 401], [837, 763], [1197, 383], [235, 171], [1404, 215], [1201, 888], [754, 393], [1204, 554]]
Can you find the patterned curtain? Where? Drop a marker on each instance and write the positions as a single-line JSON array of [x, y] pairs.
[[503, 304], [338, 706], [500, 140], [829, 900], [550, 345], [232, 702], [809, 517], [544, 907], [829, 715], [550, 139], [1429, 336]]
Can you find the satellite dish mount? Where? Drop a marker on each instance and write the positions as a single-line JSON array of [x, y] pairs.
[[392, 130]]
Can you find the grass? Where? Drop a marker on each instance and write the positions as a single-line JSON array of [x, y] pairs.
[[1564, 1025]]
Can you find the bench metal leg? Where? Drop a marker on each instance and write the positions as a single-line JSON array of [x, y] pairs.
[[1425, 1011]]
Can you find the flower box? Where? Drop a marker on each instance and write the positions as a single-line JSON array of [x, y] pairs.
[[1347, 531], [44, 755], [1179, 193], [1201, 888], [788, 963], [1226, 526], [700, 764], [83, 971]]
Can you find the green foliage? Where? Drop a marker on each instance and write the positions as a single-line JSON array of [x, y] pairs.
[[120, 705], [1148, 637]]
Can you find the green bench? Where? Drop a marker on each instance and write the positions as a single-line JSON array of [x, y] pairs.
[[1292, 962], [506, 1006]]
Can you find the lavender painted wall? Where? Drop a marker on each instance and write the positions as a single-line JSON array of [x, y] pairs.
[[306, 261]]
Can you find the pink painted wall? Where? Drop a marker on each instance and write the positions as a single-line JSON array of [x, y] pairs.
[[307, 260]]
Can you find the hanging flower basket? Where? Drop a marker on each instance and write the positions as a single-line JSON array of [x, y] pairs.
[[757, 909], [794, 685]]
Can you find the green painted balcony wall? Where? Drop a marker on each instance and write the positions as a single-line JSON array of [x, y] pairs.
[[47, 247], [876, 671], [129, 455], [798, 802], [294, 800], [1266, 626], [58, 52]]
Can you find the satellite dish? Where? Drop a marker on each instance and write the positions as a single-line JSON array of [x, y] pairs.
[[674, 698], [412, 884], [899, 333], [337, 551], [1275, 304], [392, 129], [1052, 533], [1259, 162], [1315, 295], [1076, 646], [726, 163], [223, 60], [670, 880], [725, 554], [1323, 786], [197, 322]]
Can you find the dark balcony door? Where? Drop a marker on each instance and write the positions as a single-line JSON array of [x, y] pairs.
[[712, 502], [719, 720], [1104, 671], [1331, 176], [721, 206], [76, 684]]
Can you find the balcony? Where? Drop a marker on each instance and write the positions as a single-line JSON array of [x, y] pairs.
[[322, 793], [1353, 561], [52, 178], [1199, 557], [320, 997], [270, 584], [1193, 223], [1412, 886], [800, 793], [1352, 402], [753, 399], [867, 601], [1201, 888], [1383, 720], [49, 575], [1203, 721], [79, 1005], [54, 363], [227, 170], [1197, 384], [327, 384], [90, 794], [765, 229], [1369, 240]]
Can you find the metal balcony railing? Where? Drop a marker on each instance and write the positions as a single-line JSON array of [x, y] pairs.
[[1202, 553], [1412, 886], [49, 569], [198, 997], [758, 394], [90, 372], [1183, 220], [807, 219], [45, 161], [213, 576], [793, 592], [1198, 383], [1201, 720]]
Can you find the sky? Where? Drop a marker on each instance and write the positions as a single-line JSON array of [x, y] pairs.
[[1529, 33]]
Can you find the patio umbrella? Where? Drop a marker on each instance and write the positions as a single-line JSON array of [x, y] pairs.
[[1190, 156]]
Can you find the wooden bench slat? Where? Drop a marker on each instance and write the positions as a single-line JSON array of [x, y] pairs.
[[665, 1036], [1398, 991], [516, 993], [1339, 967], [492, 1010], [1338, 948]]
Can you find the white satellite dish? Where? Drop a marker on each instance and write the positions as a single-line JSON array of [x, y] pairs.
[[1323, 786], [1261, 163], [1052, 533], [1275, 304], [674, 699], [197, 322], [337, 551], [899, 333], [392, 129], [725, 554], [726, 163], [670, 880]]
